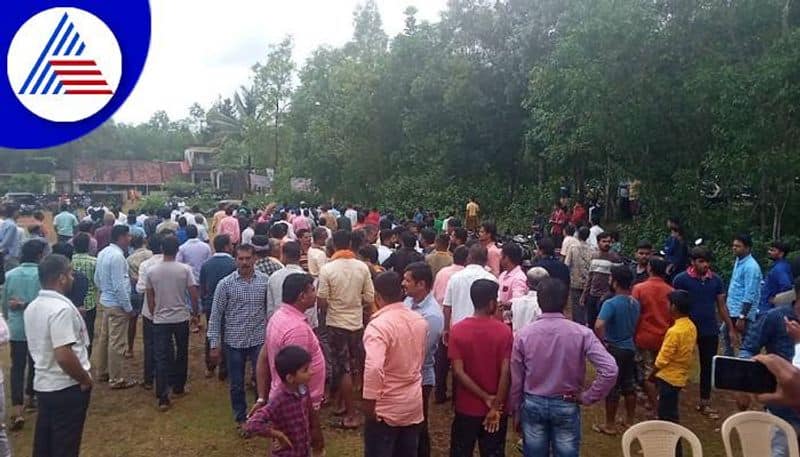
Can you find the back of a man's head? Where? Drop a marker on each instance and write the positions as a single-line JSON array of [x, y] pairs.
[[552, 295], [389, 287], [478, 255]]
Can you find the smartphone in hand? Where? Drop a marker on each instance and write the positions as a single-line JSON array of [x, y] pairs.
[[742, 375]]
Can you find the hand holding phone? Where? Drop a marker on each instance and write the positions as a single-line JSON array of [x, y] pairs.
[[742, 375]]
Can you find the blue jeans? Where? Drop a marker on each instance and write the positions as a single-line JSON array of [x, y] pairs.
[[780, 444], [550, 423], [236, 359]]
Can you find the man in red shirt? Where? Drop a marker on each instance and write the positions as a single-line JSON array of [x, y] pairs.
[[480, 349], [654, 319]]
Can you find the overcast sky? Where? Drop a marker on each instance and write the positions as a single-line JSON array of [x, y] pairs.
[[204, 48]]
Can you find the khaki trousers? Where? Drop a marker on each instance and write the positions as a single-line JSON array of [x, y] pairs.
[[113, 342]]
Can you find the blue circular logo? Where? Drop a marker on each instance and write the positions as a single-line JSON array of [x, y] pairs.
[[70, 66]]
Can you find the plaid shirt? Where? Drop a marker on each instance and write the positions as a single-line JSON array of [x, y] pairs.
[[239, 311], [268, 265], [286, 412], [86, 264]]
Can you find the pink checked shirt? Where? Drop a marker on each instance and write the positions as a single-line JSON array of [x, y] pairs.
[[289, 327], [513, 284], [230, 226], [442, 278], [394, 341]]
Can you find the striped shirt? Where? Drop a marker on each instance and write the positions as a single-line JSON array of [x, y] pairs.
[[239, 311]]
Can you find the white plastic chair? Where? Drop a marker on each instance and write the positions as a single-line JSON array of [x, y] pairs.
[[659, 438], [755, 431]]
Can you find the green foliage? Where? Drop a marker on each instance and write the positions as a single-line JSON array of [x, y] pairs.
[[26, 182], [154, 201], [179, 187]]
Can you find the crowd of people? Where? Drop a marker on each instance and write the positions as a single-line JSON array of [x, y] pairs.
[[371, 315]]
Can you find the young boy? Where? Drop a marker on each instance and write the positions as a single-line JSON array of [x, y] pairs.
[[675, 358], [285, 418]]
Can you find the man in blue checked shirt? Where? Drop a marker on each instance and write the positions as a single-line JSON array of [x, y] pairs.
[[111, 279], [744, 290], [238, 325]]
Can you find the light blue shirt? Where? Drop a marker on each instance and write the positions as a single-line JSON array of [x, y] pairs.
[[65, 223], [432, 312], [136, 230], [10, 241], [111, 278], [745, 287]]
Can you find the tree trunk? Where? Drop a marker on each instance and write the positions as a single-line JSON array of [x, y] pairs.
[[277, 118]]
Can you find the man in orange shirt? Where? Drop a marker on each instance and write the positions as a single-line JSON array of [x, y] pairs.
[[394, 341], [654, 320], [218, 216]]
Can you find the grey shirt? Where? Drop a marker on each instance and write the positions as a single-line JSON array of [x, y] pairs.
[[170, 282]]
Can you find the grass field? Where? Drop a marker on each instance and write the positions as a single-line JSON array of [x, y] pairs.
[[127, 423]]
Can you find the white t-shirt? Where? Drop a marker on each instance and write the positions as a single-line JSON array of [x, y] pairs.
[[170, 282], [524, 310], [383, 253], [247, 235], [593, 232], [457, 295], [51, 321]]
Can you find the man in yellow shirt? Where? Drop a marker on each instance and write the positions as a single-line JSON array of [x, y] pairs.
[[472, 214], [675, 358]]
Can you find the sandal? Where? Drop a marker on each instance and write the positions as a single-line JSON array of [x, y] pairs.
[[340, 424], [123, 384], [603, 430], [708, 411], [17, 422]]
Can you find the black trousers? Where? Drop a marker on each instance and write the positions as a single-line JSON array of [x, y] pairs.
[[707, 348], [382, 440], [466, 430], [592, 309], [172, 357], [59, 424], [21, 381], [441, 367], [668, 396], [424, 449], [89, 317], [148, 342]]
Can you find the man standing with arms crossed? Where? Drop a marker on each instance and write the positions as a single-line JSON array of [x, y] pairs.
[[58, 343]]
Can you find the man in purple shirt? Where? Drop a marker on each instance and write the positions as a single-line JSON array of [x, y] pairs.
[[194, 252], [546, 401]]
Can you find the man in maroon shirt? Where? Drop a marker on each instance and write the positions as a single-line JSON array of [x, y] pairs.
[[480, 348], [103, 234]]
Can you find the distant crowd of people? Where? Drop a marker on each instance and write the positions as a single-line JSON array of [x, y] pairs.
[[327, 304]]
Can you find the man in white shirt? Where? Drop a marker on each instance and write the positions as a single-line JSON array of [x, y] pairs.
[[316, 253], [457, 303], [593, 232], [59, 345], [351, 214], [525, 309], [386, 238], [249, 232]]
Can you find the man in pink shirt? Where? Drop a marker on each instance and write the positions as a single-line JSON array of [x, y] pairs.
[[394, 341], [288, 326], [513, 281], [229, 225], [487, 235], [442, 365]]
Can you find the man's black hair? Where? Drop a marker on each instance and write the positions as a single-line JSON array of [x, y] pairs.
[[389, 286], [552, 295], [294, 285], [513, 252], [118, 231], [169, 245], [644, 244], [221, 241], [622, 275], [291, 251], [341, 239], [421, 271], [460, 255], [64, 248], [408, 239], [781, 246], [191, 231], [369, 252], [658, 265], [81, 242], [548, 247], [31, 251], [482, 292], [700, 252], [744, 238]]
